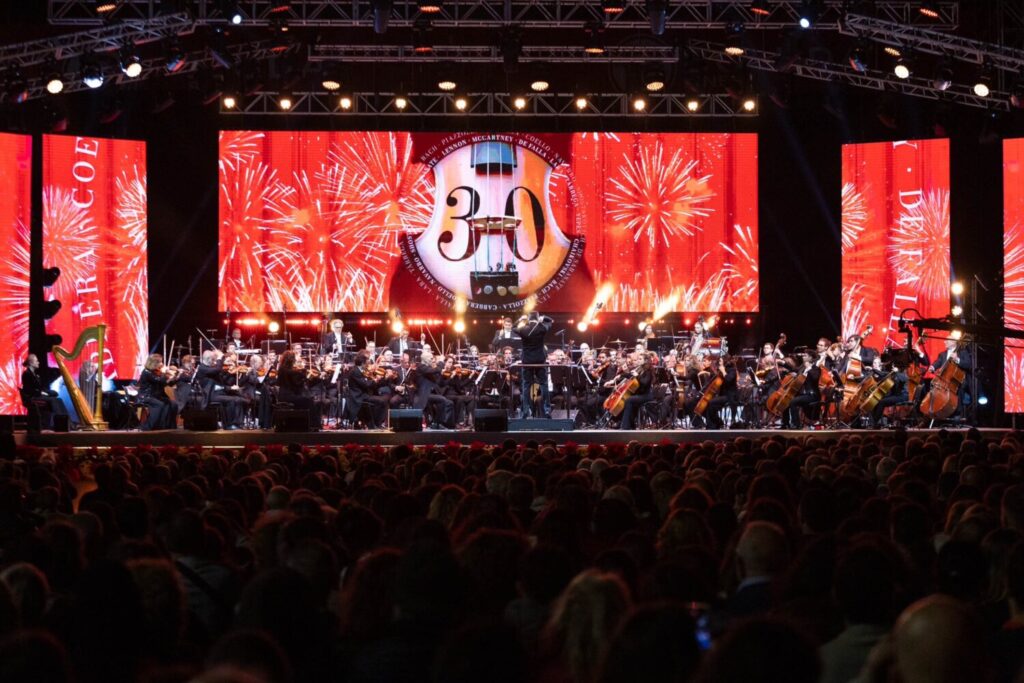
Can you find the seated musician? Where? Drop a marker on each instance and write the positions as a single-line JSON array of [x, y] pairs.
[[214, 381], [337, 340], [256, 387], [362, 390], [457, 386], [291, 387], [603, 374], [727, 394], [807, 397], [88, 375], [643, 394], [896, 395], [183, 388], [505, 335], [962, 357], [234, 340], [402, 343], [398, 386], [36, 395], [153, 382], [428, 391]]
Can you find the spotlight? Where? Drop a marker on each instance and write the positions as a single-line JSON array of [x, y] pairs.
[[902, 69], [459, 326], [330, 84], [956, 311], [581, 102], [734, 41], [809, 11], [54, 84], [421, 43], [277, 6], [446, 84], [92, 76], [929, 8], [983, 400], [581, 326], [274, 327], [893, 51], [594, 44], [105, 7], [749, 104], [461, 103], [285, 102], [983, 86], [760, 8], [519, 103], [957, 288], [639, 104], [613, 6], [401, 102], [229, 101], [693, 104], [236, 18], [539, 85], [858, 61], [654, 79], [130, 63], [805, 22], [943, 77], [18, 90], [397, 326], [175, 58], [345, 102], [429, 6]]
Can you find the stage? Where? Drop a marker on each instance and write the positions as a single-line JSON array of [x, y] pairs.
[[244, 438]]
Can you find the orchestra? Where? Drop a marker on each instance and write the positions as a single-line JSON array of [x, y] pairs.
[[694, 383]]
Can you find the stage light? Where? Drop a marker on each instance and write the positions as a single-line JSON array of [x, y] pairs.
[[519, 103], [956, 334], [429, 6], [397, 326], [594, 44], [749, 104], [540, 85], [130, 63], [175, 58], [92, 76], [809, 10], [54, 84], [581, 326], [857, 59], [956, 311], [105, 7], [277, 6], [459, 326], [461, 103], [983, 86], [229, 101], [274, 327], [902, 69], [285, 102], [639, 104], [330, 83], [760, 8], [613, 6], [654, 79], [446, 84], [734, 41], [943, 78], [983, 400], [957, 288], [345, 102], [236, 18], [421, 43], [929, 8], [401, 102], [805, 22], [893, 51], [693, 105], [581, 102]]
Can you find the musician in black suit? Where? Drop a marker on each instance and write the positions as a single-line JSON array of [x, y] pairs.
[[214, 381], [532, 330], [362, 389], [153, 382], [35, 393], [428, 391], [961, 355], [643, 394], [727, 394], [337, 340], [505, 336], [402, 344], [292, 388], [808, 395]]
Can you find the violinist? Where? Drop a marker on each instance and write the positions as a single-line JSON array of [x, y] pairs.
[[153, 381], [603, 374], [256, 388], [291, 387], [183, 388], [428, 391], [362, 390], [645, 392], [457, 386], [211, 378], [698, 340]]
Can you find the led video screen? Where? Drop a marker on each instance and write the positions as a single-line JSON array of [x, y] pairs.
[[15, 218], [1013, 271], [373, 221], [895, 236], [95, 231]]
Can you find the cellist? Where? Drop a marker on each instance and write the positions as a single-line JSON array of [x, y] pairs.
[[644, 393], [726, 394], [896, 395], [808, 395], [962, 357]]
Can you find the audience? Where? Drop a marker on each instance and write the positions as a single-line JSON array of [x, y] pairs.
[[826, 558]]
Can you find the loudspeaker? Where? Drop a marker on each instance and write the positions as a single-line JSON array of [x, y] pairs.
[[291, 420], [200, 420], [541, 424], [490, 420], [62, 423], [406, 420]]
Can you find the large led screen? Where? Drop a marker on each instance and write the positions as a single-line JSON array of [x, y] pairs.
[[1013, 271], [373, 221], [15, 218], [94, 230], [895, 236]]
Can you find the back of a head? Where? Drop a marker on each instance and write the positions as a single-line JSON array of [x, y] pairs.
[[962, 570], [864, 585], [655, 644], [30, 590], [762, 549], [939, 639], [762, 651], [1012, 508], [33, 657], [254, 652], [482, 651]]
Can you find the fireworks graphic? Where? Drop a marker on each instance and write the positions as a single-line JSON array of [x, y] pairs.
[[742, 268], [14, 288], [1014, 380], [1013, 275], [659, 198], [855, 315], [919, 245], [712, 295], [855, 215], [10, 380], [132, 276], [239, 147], [70, 237]]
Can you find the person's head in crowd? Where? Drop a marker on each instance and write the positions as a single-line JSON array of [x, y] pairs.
[[762, 551], [940, 639], [368, 596], [34, 656], [865, 583], [253, 652], [656, 643], [30, 591]]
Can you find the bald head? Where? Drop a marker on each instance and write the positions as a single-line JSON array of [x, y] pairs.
[[939, 639], [762, 550]]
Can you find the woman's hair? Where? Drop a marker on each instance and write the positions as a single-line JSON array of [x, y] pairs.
[[154, 361], [287, 360]]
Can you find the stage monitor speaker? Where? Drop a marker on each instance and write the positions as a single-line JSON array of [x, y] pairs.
[[406, 420], [291, 420], [200, 420], [490, 420], [540, 424], [62, 423]]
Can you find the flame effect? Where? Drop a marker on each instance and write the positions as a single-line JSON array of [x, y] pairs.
[[919, 245], [657, 198]]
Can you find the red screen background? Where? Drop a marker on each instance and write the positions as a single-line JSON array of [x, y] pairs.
[[1013, 271], [95, 230], [15, 219], [895, 236], [309, 221]]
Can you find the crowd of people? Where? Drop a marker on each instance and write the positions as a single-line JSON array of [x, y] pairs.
[[832, 558]]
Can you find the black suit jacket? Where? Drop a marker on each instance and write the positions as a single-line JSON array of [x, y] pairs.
[[500, 340], [360, 386], [33, 386], [532, 333], [329, 342], [410, 345], [427, 380]]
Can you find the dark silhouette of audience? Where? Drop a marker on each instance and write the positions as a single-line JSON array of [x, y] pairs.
[[827, 558]]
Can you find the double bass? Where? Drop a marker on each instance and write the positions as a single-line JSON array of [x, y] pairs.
[[943, 398]]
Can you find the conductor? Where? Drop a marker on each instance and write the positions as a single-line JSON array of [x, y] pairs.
[[532, 330]]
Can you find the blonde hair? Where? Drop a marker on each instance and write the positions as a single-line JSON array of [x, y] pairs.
[[154, 361]]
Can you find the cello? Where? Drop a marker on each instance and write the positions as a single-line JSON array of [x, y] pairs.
[[780, 399], [943, 398], [852, 382], [914, 372], [712, 390], [616, 401]]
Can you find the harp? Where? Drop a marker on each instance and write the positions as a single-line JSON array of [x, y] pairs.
[[86, 417]]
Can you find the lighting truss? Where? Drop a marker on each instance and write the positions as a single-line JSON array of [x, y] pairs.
[[107, 39], [680, 14], [438, 104], [820, 70], [633, 54]]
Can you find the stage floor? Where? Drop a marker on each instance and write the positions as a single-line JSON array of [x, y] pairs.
[[242, 438]]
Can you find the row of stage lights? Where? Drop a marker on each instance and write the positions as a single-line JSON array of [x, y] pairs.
[[638, 103]]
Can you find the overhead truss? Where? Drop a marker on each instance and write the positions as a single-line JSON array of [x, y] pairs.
[[680, 14], [618, 54], [480, 104]]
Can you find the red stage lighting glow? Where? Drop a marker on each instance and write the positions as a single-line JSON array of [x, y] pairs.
[[15, 218]]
